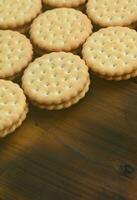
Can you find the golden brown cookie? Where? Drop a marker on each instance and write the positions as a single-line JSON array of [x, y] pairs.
[[61, 29], [56, 80], [112, 53], [17, 13], [15, 53], [13, 107], [112, 13]]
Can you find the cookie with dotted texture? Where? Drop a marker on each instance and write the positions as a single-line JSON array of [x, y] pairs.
[[15, 53], [56, 80], [13, 107], [63, 3], [112, 53], [112, 13], [17, 13], [60, 29]]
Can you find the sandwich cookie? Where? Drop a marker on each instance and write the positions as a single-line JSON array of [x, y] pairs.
[[107, 13], [18, 14], [13, 107], [111, 53], [60, 29], [15, 53], [56, 80]]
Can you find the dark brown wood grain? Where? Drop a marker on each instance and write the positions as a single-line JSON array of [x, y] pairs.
[[87, 152], [134, 80]]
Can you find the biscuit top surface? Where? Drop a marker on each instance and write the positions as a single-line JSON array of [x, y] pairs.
[[15, 52], [112, 51], [55, 78], [112, 13], [64, 3], [12, 103], [15, 13], [60, 29]]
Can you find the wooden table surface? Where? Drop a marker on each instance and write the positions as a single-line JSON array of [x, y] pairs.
[[87, 152]]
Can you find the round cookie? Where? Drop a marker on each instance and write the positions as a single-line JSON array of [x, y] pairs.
[[15, 53], [60, 29], [13, 107], [112, 13], [63, 3], [56, 80], [112, 53], [119, 78], [16, 13]]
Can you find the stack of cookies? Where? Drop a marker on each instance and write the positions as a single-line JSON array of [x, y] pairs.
[[55, 78]]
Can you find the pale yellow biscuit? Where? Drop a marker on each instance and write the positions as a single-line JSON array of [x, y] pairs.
[[16, 13], [64, 3], [15, 53], [119, 78], [67, 104], [55, 78], [112, 13], [112, 52], [11, 129], [13, 107], [61, 29]]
